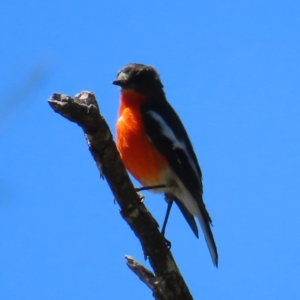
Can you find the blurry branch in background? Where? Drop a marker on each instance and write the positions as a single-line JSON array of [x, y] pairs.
[[166, 282], [19, 92]]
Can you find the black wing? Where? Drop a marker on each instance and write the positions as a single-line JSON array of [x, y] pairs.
[[165, 130], [177, 149], [188, 216]]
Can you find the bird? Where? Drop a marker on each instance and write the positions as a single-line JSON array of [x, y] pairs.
[[155, 148]]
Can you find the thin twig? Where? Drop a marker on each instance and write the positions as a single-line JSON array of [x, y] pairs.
[[144, 274]]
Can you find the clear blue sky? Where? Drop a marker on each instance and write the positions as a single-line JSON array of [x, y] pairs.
[[231, 69]]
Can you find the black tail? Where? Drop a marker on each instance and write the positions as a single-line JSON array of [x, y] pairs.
[[209, 238]]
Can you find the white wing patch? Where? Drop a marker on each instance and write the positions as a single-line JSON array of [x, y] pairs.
[[169, 134]]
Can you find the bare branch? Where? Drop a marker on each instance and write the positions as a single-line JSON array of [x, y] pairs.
[[84, 111]]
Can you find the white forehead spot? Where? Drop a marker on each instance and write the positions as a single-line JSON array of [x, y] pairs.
[[123, 76]]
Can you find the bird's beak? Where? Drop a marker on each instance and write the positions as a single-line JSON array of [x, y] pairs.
[[118, 82]]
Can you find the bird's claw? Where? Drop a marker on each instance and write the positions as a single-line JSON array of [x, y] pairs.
[[141, 197], [168, 243]]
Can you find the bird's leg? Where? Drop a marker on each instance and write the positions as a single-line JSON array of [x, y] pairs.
[[170, 203], [168, 198], [150, 187]]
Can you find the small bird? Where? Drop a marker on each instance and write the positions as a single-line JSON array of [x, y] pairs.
[[155, 148]]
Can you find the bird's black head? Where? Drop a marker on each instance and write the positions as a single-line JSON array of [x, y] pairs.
[[138, 77]]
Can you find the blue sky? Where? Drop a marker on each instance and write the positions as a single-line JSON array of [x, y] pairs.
[[231, 71]]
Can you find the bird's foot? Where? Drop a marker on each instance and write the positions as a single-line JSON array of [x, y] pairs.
[[168, 243], [141, 197]]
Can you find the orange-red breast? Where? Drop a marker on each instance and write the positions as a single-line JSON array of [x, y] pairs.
[[155, 147]]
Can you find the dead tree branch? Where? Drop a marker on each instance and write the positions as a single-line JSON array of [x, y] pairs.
[[166, 282]]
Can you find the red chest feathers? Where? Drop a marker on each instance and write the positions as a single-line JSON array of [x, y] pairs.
[[139, 156]]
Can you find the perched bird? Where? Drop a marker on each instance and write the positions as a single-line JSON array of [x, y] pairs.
[[155, 147]]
